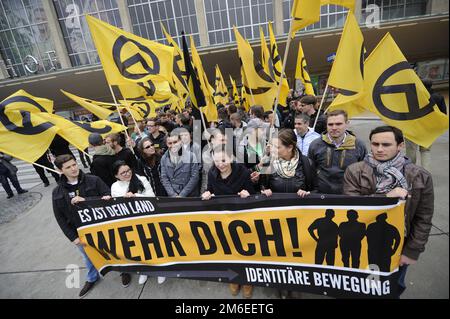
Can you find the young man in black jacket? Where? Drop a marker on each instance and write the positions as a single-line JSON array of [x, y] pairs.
[[73, 187]]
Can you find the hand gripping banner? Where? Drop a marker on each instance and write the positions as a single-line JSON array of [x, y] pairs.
[[334, 245]]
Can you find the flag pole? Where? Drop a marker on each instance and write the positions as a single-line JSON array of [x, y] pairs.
[[120, 115], [321, 104], [286, 54], [47, 168]]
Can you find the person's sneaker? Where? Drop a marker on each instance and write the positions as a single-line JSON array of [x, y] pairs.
[[247, 291], [46, 184], [86, 288], [161, 280], [234, 289], [10, 196], [22, 191], [126, 279], [142, 279]]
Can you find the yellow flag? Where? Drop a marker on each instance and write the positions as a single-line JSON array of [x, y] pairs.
[[301, 71], [24, 134], [210, 110], [156, 90], [178, 53], [234, 91], [347, 73], [126, 57], [277, 63], [350, 4], [140, 109], [265, 53], [304, 13], [101, 110], [394, 92], [221, 93], [260, 84], [245, 99]]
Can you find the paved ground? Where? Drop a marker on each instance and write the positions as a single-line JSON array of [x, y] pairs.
[[34, 253]]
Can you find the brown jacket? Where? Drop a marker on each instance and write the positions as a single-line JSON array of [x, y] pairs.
[[360, 180]]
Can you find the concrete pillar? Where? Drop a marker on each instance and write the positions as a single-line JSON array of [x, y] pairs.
[[56, 34], [439, 6], [3, 72], [125, 16], [358, 10], [202, 24], [278, 17]]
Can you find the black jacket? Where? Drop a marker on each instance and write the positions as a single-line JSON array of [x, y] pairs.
[[101, 166], [330, 162], [304, 179], [65, 213], [233, 184], [128, 157], [159, 142], [60, 146], [153, 175]]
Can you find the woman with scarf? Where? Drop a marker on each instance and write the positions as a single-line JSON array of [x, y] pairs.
[[291, 171]]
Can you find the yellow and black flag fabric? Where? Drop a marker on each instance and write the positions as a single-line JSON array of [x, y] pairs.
[[265, 53], [178, 54], [210, 110], [347, 73], [277, 68], [304, 13], [394, 92], [262, 87], [234, 91], [221, 93], [195, 91], [126, 57], [301, 71], [140, 109], [99, 109], [24, 134]]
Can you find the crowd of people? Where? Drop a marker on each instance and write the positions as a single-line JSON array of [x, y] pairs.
[[296, 150]]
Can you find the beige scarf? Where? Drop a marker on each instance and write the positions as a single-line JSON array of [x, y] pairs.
[[286, 169]]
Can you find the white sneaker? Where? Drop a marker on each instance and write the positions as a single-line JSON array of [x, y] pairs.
[[161, 280], [142, 279]]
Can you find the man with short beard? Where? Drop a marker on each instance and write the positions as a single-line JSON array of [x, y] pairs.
[[385, 171]]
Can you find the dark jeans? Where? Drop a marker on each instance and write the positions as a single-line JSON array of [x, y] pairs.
[[13, 178], [401, 279]]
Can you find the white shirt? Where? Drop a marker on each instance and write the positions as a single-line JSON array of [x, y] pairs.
[[120, 188], [304, 143]]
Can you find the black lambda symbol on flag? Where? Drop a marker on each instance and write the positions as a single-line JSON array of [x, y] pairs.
[[135, 59], [415, 111], [27, 127], [88, 127], [144, 107]]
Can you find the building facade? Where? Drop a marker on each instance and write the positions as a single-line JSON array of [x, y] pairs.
[[45, 45]]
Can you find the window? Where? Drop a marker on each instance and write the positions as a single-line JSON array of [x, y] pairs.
[[25, 38], [246, 15], [72, 19], [396, 9], [176, 15]]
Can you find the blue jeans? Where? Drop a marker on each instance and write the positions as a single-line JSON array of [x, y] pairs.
[[92, 274], [401, 279]]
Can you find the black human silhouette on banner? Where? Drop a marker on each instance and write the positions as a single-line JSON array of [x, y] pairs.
[[327, 232], [351, 234], [383, 240]]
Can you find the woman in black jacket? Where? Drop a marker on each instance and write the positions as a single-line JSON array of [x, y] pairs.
[[228, 178], [292, 172], [148, 165]]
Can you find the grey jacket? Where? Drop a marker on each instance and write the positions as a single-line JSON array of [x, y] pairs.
[[183, 179], [360, 180], [6, 161]]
